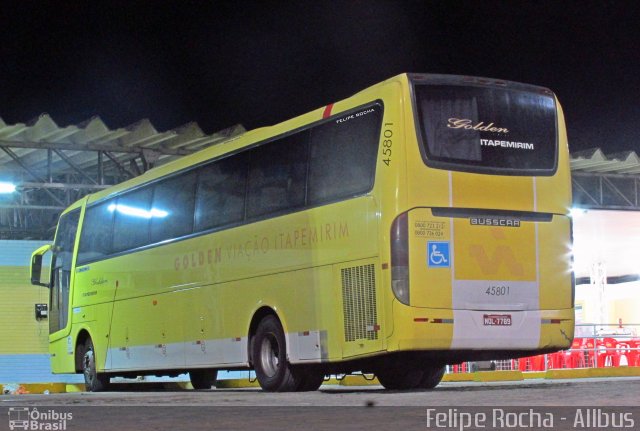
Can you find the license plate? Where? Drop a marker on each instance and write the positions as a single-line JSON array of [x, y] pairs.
[[497, 320]]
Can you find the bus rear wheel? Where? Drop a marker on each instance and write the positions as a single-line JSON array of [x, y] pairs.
[[94, 381], [399, 378], [269, 355], [310, 379], [431, 377], [203, 379]]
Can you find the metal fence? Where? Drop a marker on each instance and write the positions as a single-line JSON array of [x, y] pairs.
[[594, 346]]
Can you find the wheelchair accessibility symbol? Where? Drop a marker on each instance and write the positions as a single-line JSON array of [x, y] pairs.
[[438, 254]]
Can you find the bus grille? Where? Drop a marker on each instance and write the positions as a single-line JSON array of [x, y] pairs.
[[359, 303]]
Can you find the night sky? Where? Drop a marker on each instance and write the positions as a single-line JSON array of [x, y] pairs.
[[259, 63]]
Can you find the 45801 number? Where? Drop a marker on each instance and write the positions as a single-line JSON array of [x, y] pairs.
[[387, 143], [497, 291]]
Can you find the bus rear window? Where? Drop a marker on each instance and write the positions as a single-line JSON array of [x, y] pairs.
[[487, 129]]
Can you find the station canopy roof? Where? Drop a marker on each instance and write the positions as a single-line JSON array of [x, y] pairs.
[[81, 143], [595, 160]]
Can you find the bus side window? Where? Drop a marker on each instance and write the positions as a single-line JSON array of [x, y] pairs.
[[173, 206], [97, 232], [343, 157], [132, 214], [277, 175], [220, 193]]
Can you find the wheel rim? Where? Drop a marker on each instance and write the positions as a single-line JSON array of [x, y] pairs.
[[89, 363], [269, 355]]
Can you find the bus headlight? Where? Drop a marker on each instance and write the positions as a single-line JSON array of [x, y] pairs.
[[400, 258]]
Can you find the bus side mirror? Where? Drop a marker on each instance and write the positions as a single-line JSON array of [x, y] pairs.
[[36, 266]]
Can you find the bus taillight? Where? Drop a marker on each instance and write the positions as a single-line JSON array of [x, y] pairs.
[[400, 258]]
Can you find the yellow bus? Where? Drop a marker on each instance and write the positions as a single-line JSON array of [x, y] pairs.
[[421, 222]]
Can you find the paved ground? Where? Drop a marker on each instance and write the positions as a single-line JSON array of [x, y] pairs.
[[333, 407]]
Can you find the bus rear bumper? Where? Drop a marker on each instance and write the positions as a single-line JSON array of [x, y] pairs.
[[441, 329]]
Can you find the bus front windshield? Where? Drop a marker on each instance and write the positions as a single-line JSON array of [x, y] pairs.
[[487, 129]]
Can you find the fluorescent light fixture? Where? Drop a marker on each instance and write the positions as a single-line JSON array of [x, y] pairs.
[[7, 187], [137, 212]]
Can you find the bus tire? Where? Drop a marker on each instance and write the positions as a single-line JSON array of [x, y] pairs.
[[94, 381], [431, 377], [269, 355], [399, 378], [309, 379], [203, 379]]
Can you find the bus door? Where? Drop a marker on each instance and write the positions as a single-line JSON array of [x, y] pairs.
[[61, 280]]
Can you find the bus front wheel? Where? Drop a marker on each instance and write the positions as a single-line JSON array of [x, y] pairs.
[[94, 381], [269, 355]]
